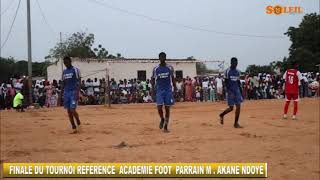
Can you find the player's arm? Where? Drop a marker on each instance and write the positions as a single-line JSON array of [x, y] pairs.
[[300, 77], [78, 84], [239, 83], [284, 77], [226, 81], [173, 79], [153, 82], [62, 84]]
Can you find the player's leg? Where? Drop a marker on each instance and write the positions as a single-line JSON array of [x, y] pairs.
[[286, 106], [160, 112], [67, 98], [166, 122], [238, 101], [168, 102], [160, 101], [237, 115], [231, 102], [73, 125], [226, 111], [295, 106], [295, 110], [75, 116], [73, 107]]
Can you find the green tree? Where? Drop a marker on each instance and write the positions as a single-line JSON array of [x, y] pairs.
[[10, 67], [101, 52], [79, 44], [304, 50], [202, 69], [190, 58], [255, 69], [110, 56], [305, 47]]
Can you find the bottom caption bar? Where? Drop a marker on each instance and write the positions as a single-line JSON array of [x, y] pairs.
[[135, 170]]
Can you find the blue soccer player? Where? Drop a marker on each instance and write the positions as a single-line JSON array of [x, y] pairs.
[[233, 90], [162, 81], [71, 87]]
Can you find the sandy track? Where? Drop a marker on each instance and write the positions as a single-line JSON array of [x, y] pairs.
[[291, 148]]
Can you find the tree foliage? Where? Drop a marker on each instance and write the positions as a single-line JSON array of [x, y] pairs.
[[304, 50], [79, 44], [202, 69], [255, 69], [10, 67], [305, 47]]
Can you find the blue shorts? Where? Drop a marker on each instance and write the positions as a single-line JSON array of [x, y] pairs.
[[234, 98], [164, 97], [69, 100]]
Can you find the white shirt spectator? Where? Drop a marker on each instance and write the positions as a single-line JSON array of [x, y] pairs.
[[198, 95], [124, 92], [89, 86], [122, 86], [219, 82], [205, 84], [255, 81], [96, 86], [18, 85], [147, 99], [179, 86]]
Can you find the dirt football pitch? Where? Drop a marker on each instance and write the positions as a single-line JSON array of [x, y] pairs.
[[130, 133]]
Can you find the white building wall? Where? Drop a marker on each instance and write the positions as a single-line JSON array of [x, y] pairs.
[[123, 69]]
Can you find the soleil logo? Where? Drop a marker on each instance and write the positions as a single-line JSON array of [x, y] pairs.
[[278, 10]]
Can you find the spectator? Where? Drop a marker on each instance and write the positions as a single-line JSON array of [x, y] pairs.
[[212, 96], [219, 87], [205, 89], [188, 89], [18, 102], [147, 98]]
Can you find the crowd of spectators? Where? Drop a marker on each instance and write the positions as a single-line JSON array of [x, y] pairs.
[[197, 89]]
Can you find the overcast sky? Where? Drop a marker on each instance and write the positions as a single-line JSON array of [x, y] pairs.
[[136, 36]]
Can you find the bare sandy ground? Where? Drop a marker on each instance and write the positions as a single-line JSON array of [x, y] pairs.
[[291, 148]]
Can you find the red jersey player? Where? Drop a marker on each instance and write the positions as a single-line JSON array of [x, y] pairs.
[[292, 78]]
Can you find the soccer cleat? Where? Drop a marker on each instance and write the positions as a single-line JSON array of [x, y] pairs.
[[294, 117], [165, 129], [285, 116], [221, 119], [78, 128], [237, 126], [161, 123], [74, 131]]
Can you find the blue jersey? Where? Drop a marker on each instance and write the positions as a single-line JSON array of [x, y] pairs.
[[162, 76], [232, 76], [71, 78]]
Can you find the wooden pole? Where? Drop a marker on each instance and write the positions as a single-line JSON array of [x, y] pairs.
[[107, 89], [109, 97], [29, 52]]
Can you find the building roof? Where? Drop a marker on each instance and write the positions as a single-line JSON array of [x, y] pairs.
[[145, 60]]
